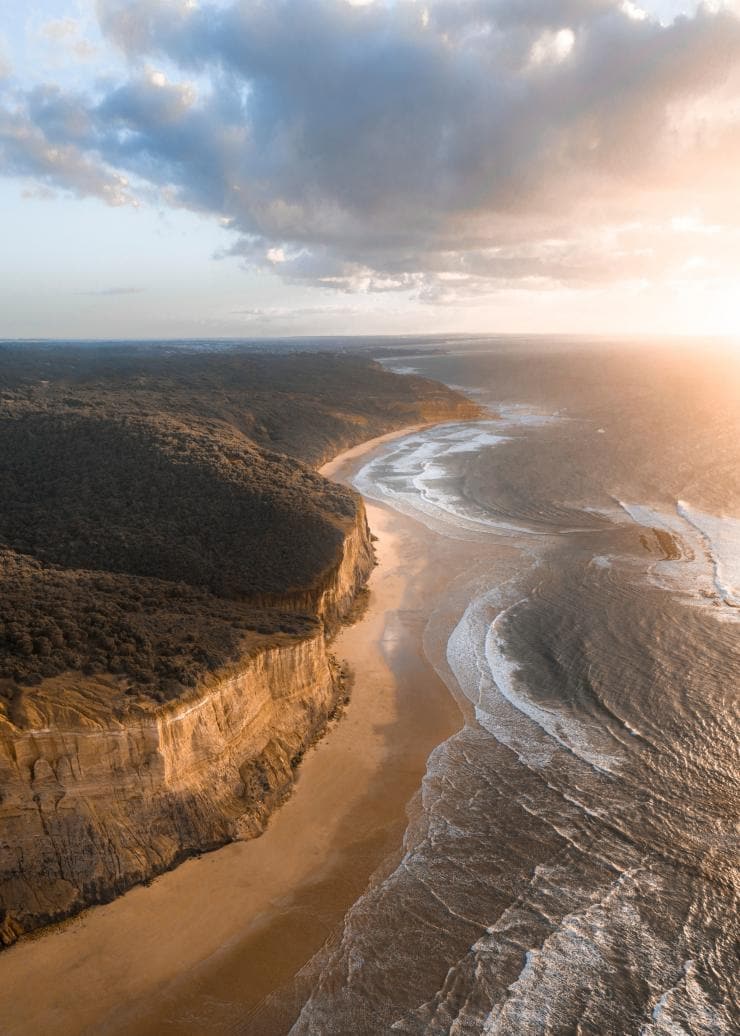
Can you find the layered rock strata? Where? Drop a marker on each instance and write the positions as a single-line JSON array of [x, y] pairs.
[[91, 805]]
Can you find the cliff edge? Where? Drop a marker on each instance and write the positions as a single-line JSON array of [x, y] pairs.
[[93, 804], [169, 585]]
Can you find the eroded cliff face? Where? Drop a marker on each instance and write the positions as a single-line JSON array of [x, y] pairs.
[[90, 806], [334, 593]]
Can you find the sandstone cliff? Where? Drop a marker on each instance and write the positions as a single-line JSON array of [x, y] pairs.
[[91, 805], [171, 567]]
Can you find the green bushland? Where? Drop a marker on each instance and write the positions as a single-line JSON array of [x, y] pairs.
[[154, 499]]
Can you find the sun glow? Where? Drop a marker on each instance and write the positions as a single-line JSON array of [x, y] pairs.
[[727, 313]]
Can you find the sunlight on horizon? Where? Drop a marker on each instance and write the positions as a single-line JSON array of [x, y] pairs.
[[381, 168]]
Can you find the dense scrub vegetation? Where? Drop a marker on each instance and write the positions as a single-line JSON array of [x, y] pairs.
[[152, 498], [157, 500], [306, 405], [160, 637]]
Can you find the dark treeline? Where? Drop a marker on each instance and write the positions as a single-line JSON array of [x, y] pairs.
[[306, 405], [149, 495], [160, 636], [154, 499]]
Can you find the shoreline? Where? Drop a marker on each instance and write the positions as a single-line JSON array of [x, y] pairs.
[[260, 909]]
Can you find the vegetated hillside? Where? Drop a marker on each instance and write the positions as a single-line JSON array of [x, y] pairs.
[[151, 500], [306, 405], [156, 499]]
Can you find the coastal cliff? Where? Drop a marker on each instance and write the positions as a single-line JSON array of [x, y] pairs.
[[172, 569], [91, 805]]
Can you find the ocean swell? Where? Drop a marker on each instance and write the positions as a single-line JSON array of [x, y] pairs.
[[561, 872]]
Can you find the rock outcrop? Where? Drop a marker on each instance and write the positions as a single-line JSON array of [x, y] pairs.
[[91, 805], [172, 567]]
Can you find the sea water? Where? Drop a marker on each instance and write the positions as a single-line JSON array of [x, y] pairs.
[[572, 864]]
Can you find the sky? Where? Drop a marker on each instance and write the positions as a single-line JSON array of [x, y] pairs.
[[203, 168]]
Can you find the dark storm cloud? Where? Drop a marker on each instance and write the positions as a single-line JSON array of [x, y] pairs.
[[395, 146]]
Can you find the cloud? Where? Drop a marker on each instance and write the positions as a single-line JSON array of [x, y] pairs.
[[445, 149], [293, 314], [6, 67], [51, 138], [58, 29], [111, 291], [67, 34]]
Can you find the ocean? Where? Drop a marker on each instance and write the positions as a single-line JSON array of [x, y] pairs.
[[571, 864]]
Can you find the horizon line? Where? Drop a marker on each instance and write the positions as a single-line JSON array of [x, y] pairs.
[[27, 339]]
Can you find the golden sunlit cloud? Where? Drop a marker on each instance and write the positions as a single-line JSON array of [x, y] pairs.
[[448, 153]]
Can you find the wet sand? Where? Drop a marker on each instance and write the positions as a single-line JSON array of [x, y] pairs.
[[203, 948]]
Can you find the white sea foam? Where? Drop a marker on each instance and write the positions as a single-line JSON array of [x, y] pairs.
[[489, 678], [708, 571], [683, 1001], [573, 959], [412, 475], [401, 368], [518, 415], [420, 476], [721, 536], [567, 731]]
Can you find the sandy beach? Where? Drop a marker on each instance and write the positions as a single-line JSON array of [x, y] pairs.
[[204, 947]]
